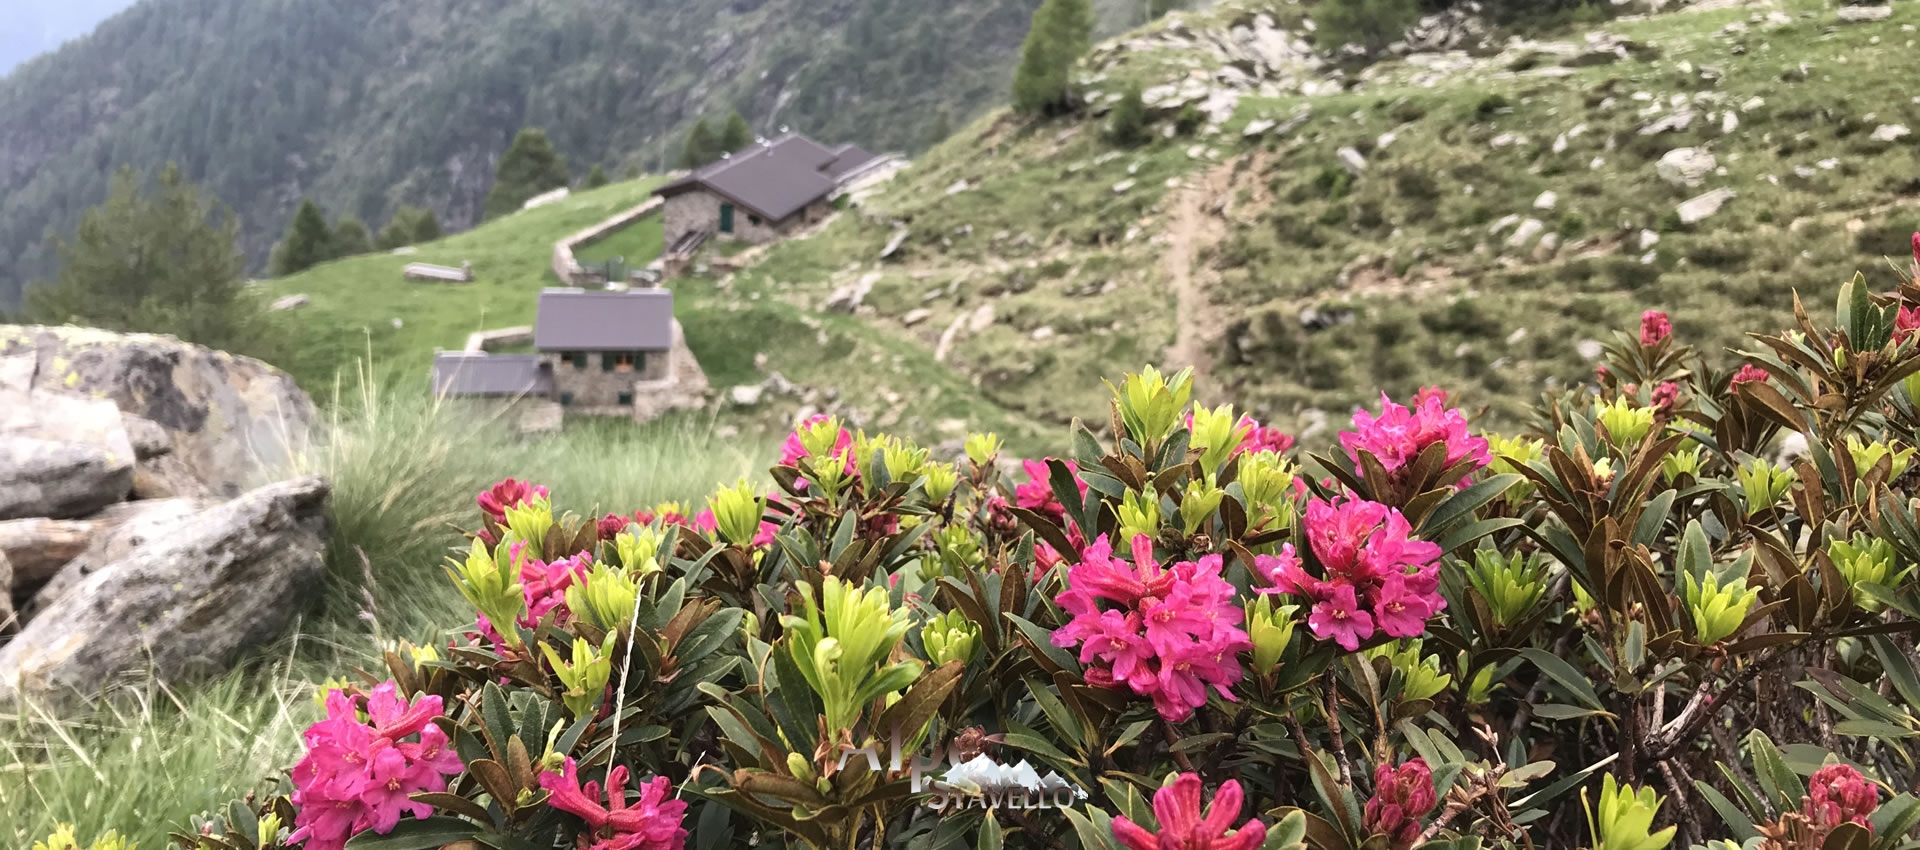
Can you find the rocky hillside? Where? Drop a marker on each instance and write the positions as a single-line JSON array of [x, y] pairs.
[[369, 104], [1470, 212]]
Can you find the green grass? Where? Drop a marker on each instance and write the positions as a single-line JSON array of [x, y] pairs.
[[637, 243], [405, 473]]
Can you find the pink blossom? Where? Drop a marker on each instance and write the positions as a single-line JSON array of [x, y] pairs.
[[1284, 573], [792, 451], [1401, 797], [1838, 794], [358, 775], [1165, 632], [1666, 396], [1184, 827], [1399, 611], [1905, 322], [1748, 372], [1398, 435], [497, 499], [1337, 617], [651, 823], [1263, 439], [545, 586], [1654, 328], [1037, 493]]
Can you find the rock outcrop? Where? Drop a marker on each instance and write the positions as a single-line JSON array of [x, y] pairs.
[[187, 601], [61, 456], [230, 420]]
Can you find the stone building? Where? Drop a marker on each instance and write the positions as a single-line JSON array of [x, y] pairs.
[[596, 353], [762, 193]]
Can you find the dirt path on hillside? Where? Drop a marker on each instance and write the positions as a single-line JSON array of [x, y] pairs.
[[1194, 224]]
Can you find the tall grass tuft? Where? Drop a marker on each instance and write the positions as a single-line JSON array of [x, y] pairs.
[[405, 469]]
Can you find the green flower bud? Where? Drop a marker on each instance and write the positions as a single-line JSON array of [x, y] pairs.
[[530, 520], [1199, 501], [1681, 462], [1266, 479], [951, 637], [584, 675], [1423, 677], [1625, 424], [638, 552], [904, 461], [1271, 629], [268, 833], [1865, 560], [798, 765], [490, 581], [1139, 514], [1150, 403], [605, 596], [737, 513], [1217, 433], [1623, 818], [1763, 484], [1508, 454], [983, 449], [841, 646], [1866, 455], [1718, 611], [820, 438], [942, 478], [1603, 469], [1510, 586]]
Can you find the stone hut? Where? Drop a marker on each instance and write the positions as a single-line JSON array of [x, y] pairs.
[[762, 193]]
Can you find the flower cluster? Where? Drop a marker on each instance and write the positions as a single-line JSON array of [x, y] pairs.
[[650, 823], [1401, 797], [1170, 633], [358, 774], [495, 500], [1184, 827], [1654, 328], [795, 448], [1399, 434], [544, 586], [1838, 794], [1037, 493], [1747, 373], [1376, 576]]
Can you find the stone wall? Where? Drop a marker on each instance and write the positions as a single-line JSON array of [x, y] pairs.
[[700, 210], [566, 267], [596, 391]]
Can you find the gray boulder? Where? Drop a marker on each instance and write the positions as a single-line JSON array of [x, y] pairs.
[[232, 421], [186, 602], [106, 538], [61, 455], [38, 548]]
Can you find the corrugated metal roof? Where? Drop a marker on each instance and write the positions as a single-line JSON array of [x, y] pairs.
[[463, 373], [777, 178], [583, 320]]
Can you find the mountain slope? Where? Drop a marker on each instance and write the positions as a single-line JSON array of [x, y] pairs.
[[1468, 221], [368, 104]]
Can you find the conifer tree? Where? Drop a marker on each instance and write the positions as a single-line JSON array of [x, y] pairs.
[[309, 241], [350, 237], [700, 146], [737, 135], [426, 226], [529, 167], [1061, 33], [939, 130], [596, 178], [1127, 126]]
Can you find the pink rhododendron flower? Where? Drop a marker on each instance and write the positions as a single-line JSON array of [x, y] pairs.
[[1838, 794], [1184, 827], [792, 450], [1666, 396], [1377, 576], [494, 502], [1401, 797], [1398, 435], [359, 774], [1654, 327], [1748, 372], [1905, 323], [1167, 633], [650, 823], [1037, 493]]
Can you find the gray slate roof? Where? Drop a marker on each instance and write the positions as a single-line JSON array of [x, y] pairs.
[[776, 178], [583, 320], [458, 373]]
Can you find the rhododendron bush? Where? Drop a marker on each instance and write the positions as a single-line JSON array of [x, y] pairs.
[[1678, 610]]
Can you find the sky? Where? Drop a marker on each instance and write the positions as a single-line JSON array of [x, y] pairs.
[[29, 28]]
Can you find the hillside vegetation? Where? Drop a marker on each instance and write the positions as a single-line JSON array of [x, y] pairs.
[[366, 105], [1494, 212]]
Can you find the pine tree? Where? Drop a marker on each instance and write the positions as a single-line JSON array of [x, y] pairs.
[[159, 259], [737, 135], [426, 226], [529, 167], [1061, 33], [939, 130], [399, 230], [350, 236], [1127, 126], [309, 241], [596, 178], [700, 147]]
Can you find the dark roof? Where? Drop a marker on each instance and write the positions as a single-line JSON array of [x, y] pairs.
[[776, 178], [463, 373], [582, 320]]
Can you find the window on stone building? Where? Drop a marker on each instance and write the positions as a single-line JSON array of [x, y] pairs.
[[619, 361], [578, 359], [566, 399], [626, 399]]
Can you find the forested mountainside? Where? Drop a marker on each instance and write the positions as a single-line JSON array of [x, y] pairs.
[[369, 104], [33, 27]]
